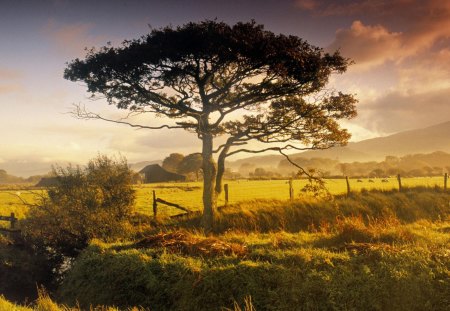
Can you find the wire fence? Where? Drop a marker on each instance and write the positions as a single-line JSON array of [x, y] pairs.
[[189, 195]]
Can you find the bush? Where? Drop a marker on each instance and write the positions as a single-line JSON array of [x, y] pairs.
[[21, 270], [291, 278], [89, 202]]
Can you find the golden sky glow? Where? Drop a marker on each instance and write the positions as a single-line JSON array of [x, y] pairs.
[[401, 75]]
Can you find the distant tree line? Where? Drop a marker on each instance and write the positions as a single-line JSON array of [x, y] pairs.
[[190, 165], [417, 165]]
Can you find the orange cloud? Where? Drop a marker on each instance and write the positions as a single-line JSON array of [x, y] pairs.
[[398, 111], [9, 74], [369, 7], [424, 25], [72, 39], [406, 44], [306, 4], [9, 80], [368, 46]]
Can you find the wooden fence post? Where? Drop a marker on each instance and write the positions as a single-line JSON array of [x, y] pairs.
[[445, 181], [155, 204], [399, 178], [225, 188], [348, 185], [13, 221], [291, 190]]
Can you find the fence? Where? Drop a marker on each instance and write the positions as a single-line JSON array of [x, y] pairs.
[[159, 200], [12, 231], [189, 195], [399, 181], [290, 189]]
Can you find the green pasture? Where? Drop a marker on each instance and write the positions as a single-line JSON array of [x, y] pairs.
[[189, 194], [15, 201]]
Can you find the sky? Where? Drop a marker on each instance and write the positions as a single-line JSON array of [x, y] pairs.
[[400, 75]]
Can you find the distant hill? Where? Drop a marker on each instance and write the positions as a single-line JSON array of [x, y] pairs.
[[26, 168], [425, 140]]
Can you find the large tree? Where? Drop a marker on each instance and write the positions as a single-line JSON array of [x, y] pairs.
[[192, 163], [172, 162], [240, 82]]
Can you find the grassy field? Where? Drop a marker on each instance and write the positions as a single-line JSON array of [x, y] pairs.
[[189, 194], [374, 250]]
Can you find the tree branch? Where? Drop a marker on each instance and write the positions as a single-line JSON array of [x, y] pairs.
[[83, 114]]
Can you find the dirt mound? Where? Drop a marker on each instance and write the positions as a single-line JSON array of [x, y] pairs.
[[185, 243]]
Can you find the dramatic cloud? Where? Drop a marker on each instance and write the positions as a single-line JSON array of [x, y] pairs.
[[386, 30], [405, 42], [368, 46], [397, 111], [402, 9]]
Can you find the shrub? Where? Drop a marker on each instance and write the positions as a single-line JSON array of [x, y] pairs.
[[21, 270], [89, 202], [292, 278]]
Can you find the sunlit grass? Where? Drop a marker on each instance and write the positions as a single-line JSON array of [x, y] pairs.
[[348, 265], [189, 194]]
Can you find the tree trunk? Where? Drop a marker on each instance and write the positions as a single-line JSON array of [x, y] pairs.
[[209, 180]]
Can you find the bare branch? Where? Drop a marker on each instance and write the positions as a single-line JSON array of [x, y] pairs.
[[24, 202], [83, 114]]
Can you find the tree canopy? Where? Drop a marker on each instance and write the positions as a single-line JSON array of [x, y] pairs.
[[172, 162], [241, 82]]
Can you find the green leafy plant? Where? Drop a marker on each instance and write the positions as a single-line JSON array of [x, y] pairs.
[[88, 202]]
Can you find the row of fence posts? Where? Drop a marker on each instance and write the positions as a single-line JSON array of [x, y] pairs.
[[291, 192], [291, 187], [399, 180]]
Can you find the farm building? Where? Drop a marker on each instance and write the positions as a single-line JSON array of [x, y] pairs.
[[47, 182], [155, 173]]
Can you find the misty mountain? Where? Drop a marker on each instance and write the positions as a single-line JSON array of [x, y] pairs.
[[425, 140], [21, 168], [26, 168]]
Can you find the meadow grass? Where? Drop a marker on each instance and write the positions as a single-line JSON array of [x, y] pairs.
[[351, 266], [372, 250], [189, 194], [378, 250]]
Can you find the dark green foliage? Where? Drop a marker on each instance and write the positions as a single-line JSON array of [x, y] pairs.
[[172, 162], [358, 255], [241, 82], [192, 163], [91, 202], [21, 270], [408, 278]]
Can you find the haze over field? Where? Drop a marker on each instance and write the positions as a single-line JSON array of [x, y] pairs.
[[401, 73]]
